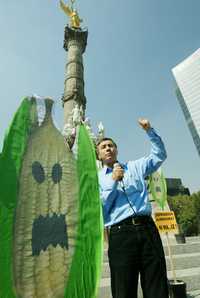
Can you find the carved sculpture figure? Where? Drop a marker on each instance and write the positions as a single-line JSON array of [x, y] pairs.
[[72, 13]]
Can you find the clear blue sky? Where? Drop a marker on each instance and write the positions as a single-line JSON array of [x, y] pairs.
[[132, 46]]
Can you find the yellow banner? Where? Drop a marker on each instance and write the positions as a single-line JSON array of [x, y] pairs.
[[166, 221]]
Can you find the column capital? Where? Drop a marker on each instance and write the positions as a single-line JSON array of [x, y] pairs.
[[77, 35]]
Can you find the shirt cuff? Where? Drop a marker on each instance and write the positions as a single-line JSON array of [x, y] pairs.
[[151, 132]]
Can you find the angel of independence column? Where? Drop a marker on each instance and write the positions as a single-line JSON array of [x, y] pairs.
[[75, 41]]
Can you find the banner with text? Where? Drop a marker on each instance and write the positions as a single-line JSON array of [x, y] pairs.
[[166, 221]]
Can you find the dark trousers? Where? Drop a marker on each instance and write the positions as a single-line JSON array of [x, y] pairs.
[[134, 250]]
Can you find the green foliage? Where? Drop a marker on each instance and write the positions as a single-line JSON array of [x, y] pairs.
[[187, 211]]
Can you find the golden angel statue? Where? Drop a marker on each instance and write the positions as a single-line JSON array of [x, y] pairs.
[[72, 13]]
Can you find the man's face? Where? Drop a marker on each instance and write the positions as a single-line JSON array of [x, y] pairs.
[[107, 152]]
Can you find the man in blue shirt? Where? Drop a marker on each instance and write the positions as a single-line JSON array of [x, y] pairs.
[[135, 246]]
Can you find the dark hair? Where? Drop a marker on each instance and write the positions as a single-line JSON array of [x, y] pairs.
[[105, 139]]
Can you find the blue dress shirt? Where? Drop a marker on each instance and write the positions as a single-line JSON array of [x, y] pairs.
[[118, 195]]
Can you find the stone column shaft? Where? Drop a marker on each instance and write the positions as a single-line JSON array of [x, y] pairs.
[[75, 43]]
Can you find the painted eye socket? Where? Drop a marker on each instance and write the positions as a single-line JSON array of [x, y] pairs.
[[56, 173], [38, 172]]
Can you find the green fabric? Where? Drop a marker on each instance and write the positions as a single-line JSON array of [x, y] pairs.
[[12, 154], [46, 274], [10, 164], [158, 188], [86, 263], [85, 270], [6, 224]]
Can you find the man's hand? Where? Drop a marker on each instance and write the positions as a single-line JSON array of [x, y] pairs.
[[118, 172], [144, 123]]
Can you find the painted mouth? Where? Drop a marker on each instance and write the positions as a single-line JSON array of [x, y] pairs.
[[49, 230]]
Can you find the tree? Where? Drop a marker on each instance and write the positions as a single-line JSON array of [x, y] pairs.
[[187, 211]]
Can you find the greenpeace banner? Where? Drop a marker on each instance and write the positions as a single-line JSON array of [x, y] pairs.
[[158, 188]]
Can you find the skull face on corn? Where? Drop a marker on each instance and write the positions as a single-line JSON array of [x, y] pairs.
[[46, 213], [51, 226]]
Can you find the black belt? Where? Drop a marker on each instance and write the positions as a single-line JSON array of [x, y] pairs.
[[134, 220]]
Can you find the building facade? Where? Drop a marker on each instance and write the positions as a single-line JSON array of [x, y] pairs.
[[187, 76], [175, 187]]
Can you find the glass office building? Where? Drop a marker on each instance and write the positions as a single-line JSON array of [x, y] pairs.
[[187, 76]]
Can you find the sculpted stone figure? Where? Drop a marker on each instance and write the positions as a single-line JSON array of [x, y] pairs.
[[72, 13]]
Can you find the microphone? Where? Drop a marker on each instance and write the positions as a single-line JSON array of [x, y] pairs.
[[117, 164]]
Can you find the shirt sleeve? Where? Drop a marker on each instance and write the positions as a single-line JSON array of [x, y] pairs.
[[149, 164], [108, 191]]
